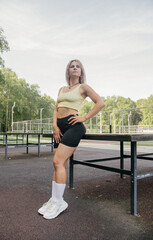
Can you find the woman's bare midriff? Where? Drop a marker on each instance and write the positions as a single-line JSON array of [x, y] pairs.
[[64, 112]]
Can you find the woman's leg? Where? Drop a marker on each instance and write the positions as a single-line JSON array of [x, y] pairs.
[[55, 149], [57, 204], [61, 156]]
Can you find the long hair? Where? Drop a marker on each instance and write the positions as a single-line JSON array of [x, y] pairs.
[[82, 78]]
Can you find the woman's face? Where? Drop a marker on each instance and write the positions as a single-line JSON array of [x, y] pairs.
[[75, 69]]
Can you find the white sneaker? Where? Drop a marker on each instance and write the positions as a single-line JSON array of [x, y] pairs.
[[44, 207], [55, 209]]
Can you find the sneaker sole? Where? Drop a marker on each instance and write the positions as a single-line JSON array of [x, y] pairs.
[[41, 213], [62, 209]]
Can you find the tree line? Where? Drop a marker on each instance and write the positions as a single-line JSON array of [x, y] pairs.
[[121, 110], [28, 101]]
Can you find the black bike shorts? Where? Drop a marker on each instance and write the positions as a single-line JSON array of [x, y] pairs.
[[71, 133]]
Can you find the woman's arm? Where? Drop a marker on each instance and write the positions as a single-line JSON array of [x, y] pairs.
[[99, 104], [87, 91]]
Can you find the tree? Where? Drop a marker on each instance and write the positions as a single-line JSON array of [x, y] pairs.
[[146, 113], [27, 97], [48, 104], [115, 111], [3, 45]]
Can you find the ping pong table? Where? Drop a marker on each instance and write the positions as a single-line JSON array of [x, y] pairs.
[[13, 140], [133, 139]]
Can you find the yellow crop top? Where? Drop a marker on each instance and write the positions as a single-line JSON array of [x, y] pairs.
[[71, 99]]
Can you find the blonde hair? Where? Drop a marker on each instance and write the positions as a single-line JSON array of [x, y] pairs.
[[82, 78]]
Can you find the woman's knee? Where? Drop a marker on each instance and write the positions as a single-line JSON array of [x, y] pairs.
[[58, 161], [61, 155]]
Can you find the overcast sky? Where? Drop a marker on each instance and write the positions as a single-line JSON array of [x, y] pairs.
[[112, 38]]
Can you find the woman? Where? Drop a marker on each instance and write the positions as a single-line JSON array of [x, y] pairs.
[[68, 129]]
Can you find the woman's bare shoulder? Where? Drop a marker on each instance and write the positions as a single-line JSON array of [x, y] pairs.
[[84, 89], [85, 86]]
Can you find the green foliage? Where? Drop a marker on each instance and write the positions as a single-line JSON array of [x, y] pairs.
[[48, 105], [117, 105], [147, 113], [29, 102], [3, 45], [27, 98]]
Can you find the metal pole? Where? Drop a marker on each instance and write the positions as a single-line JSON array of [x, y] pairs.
[[38, 145], [134, 178], [110, 126], [114, 125], [129, 115], [90, 123], [100, 122], [122, 122], [12, 115], [41, 109], [71, 172]]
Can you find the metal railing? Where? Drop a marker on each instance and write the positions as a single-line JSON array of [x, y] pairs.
[[34, 126], [119, 121], [45, 126]]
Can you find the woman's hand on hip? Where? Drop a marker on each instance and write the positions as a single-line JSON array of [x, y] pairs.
[[57, 134], [76, 119]]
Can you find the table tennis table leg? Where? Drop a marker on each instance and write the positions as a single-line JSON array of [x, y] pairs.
[[121, 157], [27, 145], [134, 178], [38, 145], [71, 171], [6, 147]]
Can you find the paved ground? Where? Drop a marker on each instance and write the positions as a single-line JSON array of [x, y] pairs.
[[98, 205]]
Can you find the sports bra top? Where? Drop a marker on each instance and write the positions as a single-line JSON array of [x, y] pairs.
[[71, 99]]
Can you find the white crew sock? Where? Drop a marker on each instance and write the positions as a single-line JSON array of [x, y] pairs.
[[58, 191], [53, 188]]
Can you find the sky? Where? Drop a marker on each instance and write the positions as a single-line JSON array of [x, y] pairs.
[[113, 39]]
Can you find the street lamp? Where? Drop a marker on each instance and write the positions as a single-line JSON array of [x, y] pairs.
[[129, 115], [41, 109], [122, 122], [12, 115]]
